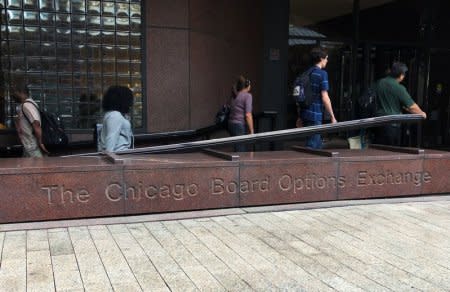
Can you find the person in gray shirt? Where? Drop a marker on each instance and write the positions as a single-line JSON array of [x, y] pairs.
[[240, 121]]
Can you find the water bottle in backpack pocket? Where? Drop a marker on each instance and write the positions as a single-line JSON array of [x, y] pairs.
[[302, 89]]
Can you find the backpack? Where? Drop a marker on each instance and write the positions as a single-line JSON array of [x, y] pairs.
[[302, 91], [367, 104], [222, 115], [53, 135]]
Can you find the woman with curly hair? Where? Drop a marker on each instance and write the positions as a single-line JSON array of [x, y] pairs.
[[116, 133]]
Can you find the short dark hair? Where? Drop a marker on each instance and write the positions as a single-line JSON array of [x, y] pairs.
[[117, 98], [397, 69], [21, 86], [317, 54]]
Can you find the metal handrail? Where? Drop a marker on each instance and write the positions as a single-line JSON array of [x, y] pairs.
[[273, 135]]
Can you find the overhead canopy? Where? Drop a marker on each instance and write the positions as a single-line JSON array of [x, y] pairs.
[[296, 34]]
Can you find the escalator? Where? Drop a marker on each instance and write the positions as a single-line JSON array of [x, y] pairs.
[[265, 119]]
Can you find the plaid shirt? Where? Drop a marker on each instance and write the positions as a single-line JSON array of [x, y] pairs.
[[319, 83]]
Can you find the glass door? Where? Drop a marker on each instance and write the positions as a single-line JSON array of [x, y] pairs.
[[437, 126], [374, 62], [338, 69]]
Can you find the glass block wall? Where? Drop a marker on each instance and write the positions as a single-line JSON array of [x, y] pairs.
[[69, 52]]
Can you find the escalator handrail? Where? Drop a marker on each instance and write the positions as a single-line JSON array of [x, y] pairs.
[[274, 135]]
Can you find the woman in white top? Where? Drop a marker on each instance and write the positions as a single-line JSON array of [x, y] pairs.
[[116, 133]]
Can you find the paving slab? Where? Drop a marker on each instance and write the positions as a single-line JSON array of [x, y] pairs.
[[384, 245]]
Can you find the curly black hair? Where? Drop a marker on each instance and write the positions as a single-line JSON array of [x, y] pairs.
[[117, 98]]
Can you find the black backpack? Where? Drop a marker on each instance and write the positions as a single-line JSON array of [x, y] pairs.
[[302, 91], [53, 135], [222, 116], [367, 104]]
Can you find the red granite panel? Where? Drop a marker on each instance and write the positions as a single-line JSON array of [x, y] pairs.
[[244, 58], [238, 20], [51, 164], [438, 169], [242, 24], [288, 182], [167, 80], [225, 41], [374, 154], [59, 195], [382, 178], [167, 13], [207, 16], [429, 153], [244, 31], [287, 156], [210, 84], [65, 188], [243, 34], [182, 160], [177, 189]]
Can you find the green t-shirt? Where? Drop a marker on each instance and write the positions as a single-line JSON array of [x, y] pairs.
[[392, 97]]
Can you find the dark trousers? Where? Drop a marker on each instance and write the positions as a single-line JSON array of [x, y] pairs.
[[389, 135], [238, 130]]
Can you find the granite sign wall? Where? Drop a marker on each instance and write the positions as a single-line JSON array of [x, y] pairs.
[[64, 188]]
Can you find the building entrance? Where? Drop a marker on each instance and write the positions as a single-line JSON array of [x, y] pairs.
[[437, 127], [374, 61], [351, 74]]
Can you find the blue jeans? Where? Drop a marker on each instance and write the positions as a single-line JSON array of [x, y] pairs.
[[314, 141], [238, 130]]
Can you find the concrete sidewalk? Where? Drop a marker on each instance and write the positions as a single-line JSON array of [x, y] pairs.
[[378, 247]]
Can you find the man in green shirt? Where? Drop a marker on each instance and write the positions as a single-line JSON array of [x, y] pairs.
[[392, 99]]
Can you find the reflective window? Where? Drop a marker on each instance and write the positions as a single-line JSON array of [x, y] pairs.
[[70, 52]]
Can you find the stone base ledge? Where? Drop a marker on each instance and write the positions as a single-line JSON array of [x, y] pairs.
[[87, 187]]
